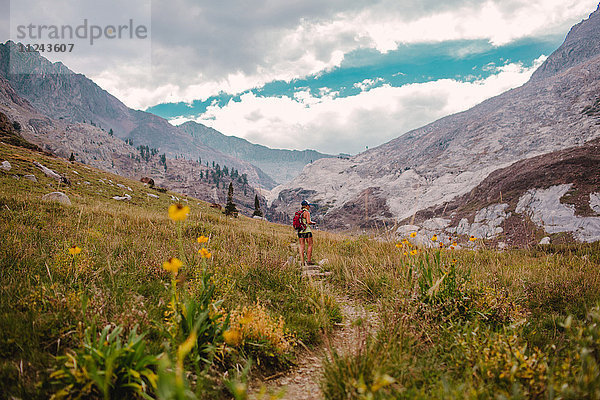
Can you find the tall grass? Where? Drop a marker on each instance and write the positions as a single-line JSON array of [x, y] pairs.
[[49, 297], [474, 323], [470, 323]]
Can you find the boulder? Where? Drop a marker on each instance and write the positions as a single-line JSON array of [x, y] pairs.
[[51, 174], [545, 240], [59, 197], [30, 177], [5, 166]]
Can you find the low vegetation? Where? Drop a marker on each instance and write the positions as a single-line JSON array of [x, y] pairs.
[[168, 298]]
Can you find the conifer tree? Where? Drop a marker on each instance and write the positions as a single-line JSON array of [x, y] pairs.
[[257, 210], [230, 208], [72, 158]]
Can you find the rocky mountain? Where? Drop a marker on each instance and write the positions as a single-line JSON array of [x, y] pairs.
[[59, 93], [435, 164], [21, 123], [281, 165], [556, 193]]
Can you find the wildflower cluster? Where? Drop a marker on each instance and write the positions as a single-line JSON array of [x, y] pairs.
[[504, 360], [203, 252], [254, 324], [407, 246]]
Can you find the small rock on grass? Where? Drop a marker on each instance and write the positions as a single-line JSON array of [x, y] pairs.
[[5, 166], [125, 197], [30, 177], [59, 197], [545, 240]]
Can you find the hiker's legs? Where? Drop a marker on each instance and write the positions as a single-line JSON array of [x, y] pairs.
[[302, 241], [309, 242]]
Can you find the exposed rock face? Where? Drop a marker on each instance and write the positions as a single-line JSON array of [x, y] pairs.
[[555, 191], [281, 165], [432, 165], [61, 94], [544, 208]]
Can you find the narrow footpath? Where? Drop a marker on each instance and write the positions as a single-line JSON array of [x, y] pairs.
[[302, 382]]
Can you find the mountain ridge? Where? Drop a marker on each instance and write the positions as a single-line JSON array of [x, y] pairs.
[[60, 93], [447, 158], [280, 164]]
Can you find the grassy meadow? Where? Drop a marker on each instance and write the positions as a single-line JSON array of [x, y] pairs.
[[142, 299]]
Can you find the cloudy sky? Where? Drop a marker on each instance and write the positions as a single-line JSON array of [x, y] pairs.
[[333, 75]]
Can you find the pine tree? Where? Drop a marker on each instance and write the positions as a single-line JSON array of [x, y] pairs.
[[257, 211], [72, 158], [230, 208], [111, 132]]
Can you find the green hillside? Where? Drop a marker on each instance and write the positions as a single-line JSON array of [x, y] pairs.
[[80, 283]]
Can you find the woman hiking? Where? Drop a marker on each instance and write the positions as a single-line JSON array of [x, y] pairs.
[[305, 235]]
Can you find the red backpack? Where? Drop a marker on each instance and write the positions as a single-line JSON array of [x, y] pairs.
[[297, 223]]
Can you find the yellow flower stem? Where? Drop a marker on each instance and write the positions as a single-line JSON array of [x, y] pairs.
[[180, 239]]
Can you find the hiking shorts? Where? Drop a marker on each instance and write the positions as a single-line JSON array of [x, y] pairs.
[[305, 235]]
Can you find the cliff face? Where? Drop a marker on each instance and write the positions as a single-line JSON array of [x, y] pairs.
[[59, 93], [449, 157]]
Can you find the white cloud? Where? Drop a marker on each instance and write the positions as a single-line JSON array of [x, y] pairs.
[[199, 51], [348, 124], [202, 48]]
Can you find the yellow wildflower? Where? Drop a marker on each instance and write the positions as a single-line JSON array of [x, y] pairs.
[[434, 238], [413, 234], [399, 245], [74, 250], [202, 239], [232, 337], [472, 238], [172, 265], [405, 253], [178, 212], [204, 253], [414, 252]]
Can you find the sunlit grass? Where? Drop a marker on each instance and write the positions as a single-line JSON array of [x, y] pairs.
[[455, 317]]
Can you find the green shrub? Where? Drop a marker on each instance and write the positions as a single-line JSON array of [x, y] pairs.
[[106, 367]]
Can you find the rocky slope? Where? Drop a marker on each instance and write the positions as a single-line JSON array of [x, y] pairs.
[[281, 165], [59, 93], [555, 193], [449, 157], [94, 146]]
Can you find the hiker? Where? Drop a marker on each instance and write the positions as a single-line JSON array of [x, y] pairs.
[[305, 233]]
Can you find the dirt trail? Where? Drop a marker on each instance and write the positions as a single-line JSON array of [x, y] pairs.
[[302, 382]]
